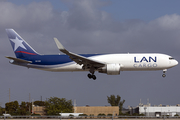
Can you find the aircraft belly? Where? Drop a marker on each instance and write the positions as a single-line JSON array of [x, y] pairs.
[[57, 68], [73, 67]]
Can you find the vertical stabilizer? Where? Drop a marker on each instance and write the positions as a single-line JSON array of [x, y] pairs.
[[20, 47]]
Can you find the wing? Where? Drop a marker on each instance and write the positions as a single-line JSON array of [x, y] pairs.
[[81, 60]]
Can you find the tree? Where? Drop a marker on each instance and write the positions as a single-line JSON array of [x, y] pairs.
[[12, 107], [23, 108], [28, 108], [2, 110], [113, 101], [55, 105]]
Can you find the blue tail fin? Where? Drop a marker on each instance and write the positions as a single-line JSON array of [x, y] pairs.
[[21, 48]]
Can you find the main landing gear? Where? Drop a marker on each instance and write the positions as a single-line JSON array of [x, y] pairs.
[[164, 71], [91, 74]]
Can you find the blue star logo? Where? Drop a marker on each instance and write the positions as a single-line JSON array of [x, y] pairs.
[[18, 43]]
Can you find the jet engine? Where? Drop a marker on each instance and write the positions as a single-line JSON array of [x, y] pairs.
[[111, 69]]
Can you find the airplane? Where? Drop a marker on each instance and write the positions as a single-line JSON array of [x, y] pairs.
[[110, 64]]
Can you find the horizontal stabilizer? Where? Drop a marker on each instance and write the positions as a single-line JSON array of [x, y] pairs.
[[19, 60]]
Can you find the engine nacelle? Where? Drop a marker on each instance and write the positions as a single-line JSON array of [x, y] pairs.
[[111, 69]]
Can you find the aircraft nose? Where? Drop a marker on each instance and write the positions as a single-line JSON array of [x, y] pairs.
[[176, 62], [173, 62]]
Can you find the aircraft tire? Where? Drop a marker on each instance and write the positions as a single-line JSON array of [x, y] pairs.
[[164, 75], [94, 77], [89, 76]]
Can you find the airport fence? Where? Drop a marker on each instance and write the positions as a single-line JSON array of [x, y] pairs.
[[88, 117]]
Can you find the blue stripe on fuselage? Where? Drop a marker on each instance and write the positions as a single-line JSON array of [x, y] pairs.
[[52, 59]]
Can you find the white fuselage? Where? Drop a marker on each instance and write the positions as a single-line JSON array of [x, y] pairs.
[[128, 62]]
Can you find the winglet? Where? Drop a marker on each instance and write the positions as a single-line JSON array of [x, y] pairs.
[[59, 45]]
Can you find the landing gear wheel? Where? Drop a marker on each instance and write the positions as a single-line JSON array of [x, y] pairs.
[[164, 71], [94, 77], [164, 75], [89, 76]]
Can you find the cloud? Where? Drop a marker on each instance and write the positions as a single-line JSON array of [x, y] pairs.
[[32, 16], [168, 22], [85, 15], [85, 25]]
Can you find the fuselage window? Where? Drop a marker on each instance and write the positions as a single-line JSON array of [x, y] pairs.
[[171, 58]]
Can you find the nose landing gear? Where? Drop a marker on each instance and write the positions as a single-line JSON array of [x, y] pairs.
[[164, 75], [164, 71]]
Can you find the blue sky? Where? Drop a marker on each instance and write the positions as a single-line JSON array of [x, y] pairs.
[[145, 10], [92, 26], [142, 9]]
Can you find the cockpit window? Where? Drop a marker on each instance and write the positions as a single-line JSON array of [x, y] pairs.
[[171, 58]]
